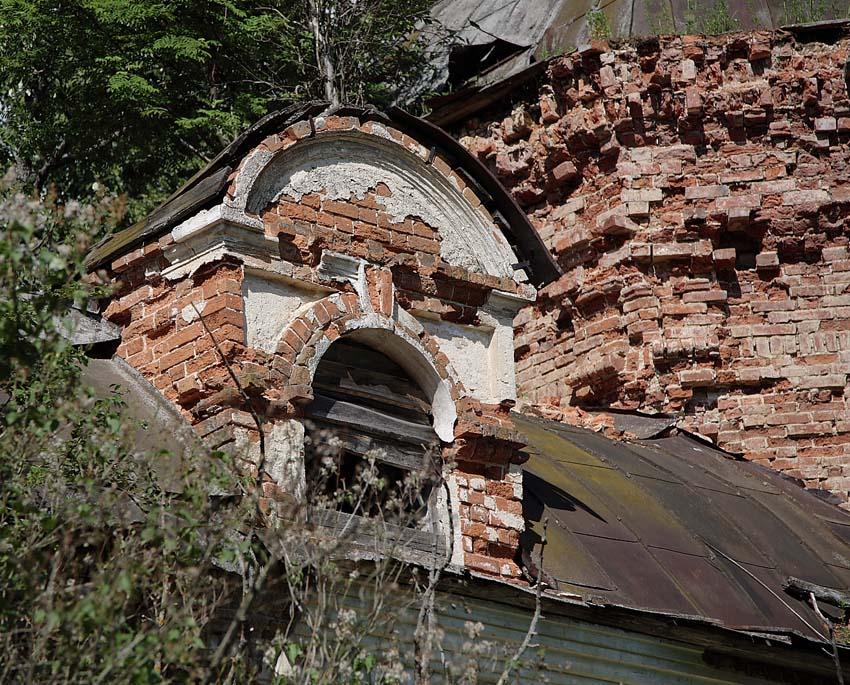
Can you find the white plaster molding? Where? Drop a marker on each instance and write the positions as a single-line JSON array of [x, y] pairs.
[[284, 454], [285, 457], [483, 355], [499, 300], [499, 312], [335, 266], [207, 237], [196, 224], [453, 527], [468, 349], [407, 320], [342, 164]]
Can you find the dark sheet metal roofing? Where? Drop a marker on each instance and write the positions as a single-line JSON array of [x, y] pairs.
[[160, 434], [206, 188], [673, 526]]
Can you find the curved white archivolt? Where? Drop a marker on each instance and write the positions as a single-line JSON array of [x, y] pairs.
[[409, 356], [341, 165]]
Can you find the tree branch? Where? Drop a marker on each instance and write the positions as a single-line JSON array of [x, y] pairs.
[[804, 589], [828, 624], [323, 58], [532, 627]]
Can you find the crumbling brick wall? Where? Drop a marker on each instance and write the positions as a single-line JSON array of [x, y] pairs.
[[695, 191], [177, 329]]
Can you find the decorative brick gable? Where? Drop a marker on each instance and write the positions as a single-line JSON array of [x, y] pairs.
[[288, 264]]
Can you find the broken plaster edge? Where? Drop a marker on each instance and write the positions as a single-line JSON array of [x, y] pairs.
[[209, 236]]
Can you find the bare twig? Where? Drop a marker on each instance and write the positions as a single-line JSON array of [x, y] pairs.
[[424, 633], [828, 624], [250, 592], [532, 627]]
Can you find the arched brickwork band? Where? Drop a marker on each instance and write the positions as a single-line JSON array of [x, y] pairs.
[[309, 335]]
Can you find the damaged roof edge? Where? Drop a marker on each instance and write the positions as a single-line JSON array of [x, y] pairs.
[[460, 105], [696, 630], [531, 246], [207, 187], [201, 191]]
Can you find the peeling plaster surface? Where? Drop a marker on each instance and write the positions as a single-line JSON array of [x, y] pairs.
[[344, 179], [270, 304], [285, 457], [468, 349], [349, 165], [196, 223]]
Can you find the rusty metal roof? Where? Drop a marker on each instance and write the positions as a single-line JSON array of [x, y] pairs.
[[671, 525], [206, 188]]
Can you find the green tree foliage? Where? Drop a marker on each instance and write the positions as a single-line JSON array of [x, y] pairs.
[[136, 96], [103, 574]]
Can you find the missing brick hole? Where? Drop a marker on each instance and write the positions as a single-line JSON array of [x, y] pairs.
[[746, 248], [828, 32], [799, 250], [564, 322], [466, 61], [602, 391], [702, 400], [758, 387]]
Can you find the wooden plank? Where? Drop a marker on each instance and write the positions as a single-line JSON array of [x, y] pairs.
[[369, 420], [359, 530], [373, 393], [357, 356], [410, 458], [802, 589], [335, 373]]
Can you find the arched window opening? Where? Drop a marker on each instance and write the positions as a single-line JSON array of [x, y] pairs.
[[371, 449]]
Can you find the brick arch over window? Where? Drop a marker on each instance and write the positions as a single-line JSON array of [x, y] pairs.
[[309, 336]]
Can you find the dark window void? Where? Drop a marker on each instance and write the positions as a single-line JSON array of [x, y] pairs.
[[469, 61], [370, 444]]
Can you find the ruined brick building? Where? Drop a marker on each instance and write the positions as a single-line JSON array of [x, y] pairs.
[[695, 192], [672, 242]]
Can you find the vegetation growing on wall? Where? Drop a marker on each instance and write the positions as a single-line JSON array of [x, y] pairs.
[[109, 573], [598, 25]]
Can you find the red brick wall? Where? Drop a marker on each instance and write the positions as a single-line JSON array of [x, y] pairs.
[[164, 339], [162, 336], [695, 190], [358, 227]]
